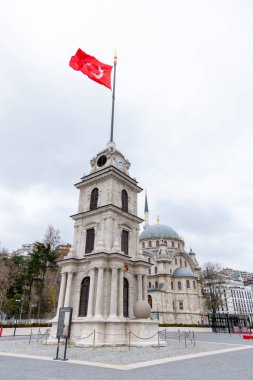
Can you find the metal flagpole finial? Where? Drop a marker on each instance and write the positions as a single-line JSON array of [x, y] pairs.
[[115, 56]]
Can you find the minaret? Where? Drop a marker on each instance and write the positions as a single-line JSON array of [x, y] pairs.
[[146, 212]]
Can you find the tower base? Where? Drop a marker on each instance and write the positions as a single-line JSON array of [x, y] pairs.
[[114, 332]]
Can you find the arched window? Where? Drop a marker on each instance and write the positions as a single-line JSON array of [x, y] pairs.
[[185, 264], [155, 270], [156, 284], [149, 271], [90, 237], [125, 298], [179, 285], [150, 301], [149, 244], [172, 244], [180, 262], [124, 242], [149, 260], [124, 199], [94, 199], [157, 243], [176, 261], [84, 297], [172, 285], [149, 284], [187, 284]]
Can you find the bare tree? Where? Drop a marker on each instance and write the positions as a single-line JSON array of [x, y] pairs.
[[213, 282], [52, 237], [3, 250]]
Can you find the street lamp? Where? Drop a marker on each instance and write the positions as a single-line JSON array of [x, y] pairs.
[[16, 314]]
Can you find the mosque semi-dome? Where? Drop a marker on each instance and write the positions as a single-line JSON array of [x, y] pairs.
[[183, 272], [157, 231]]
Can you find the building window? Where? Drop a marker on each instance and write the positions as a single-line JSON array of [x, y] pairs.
[[165, 242], [172, 244], [143, 244], [157, 243], [124, 242], [124, 199], [176, 261], [155, 270], [125, 298], [94, 199], [149, 271], [188, 284], [149, 244], [149, 260], [180, 262], [156, 284], [150, 301], [185, 264], [84, 297], [90, 237], [179, 285], [194, 284], [172, 285], [149, 284], [181, 305]]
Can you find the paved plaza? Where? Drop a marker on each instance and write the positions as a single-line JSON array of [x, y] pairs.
[[219, 356]]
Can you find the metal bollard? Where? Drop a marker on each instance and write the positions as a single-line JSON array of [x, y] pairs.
[[94, 339]]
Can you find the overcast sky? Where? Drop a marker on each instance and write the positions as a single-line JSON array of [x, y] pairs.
[[183, 116]]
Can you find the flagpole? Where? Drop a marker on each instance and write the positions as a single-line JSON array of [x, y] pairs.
[[113, 93]]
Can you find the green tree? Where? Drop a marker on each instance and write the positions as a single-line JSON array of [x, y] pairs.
[[13, 277], [42, 260]]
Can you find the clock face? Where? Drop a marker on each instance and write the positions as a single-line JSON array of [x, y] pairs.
[[101, 161], [119, 162]]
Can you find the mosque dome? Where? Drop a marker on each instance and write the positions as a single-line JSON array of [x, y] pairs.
[[156, 231], [183, 272]]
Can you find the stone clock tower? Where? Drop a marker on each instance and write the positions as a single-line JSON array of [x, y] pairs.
[[104, 275]]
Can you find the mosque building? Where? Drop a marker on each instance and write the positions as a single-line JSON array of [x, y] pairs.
[[174, 291]]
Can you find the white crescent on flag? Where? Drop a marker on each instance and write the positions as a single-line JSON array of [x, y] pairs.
[[101, 73], [97, 76]]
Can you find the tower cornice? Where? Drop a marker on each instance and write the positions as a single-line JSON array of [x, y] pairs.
[[108, 170], [108, 207]]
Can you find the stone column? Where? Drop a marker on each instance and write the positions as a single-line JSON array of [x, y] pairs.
[[100, 287], [68, 289], [139, 286], [91, 292], [62, 291], [114, 293], [107, 233], [144, 287], [120, 294]]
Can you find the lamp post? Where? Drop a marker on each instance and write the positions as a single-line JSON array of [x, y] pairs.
[[16, 314], [212, 300]]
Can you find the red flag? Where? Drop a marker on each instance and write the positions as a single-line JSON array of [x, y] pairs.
[[90, 66]]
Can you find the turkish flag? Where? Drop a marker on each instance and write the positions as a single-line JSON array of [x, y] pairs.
[[90, 66]]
